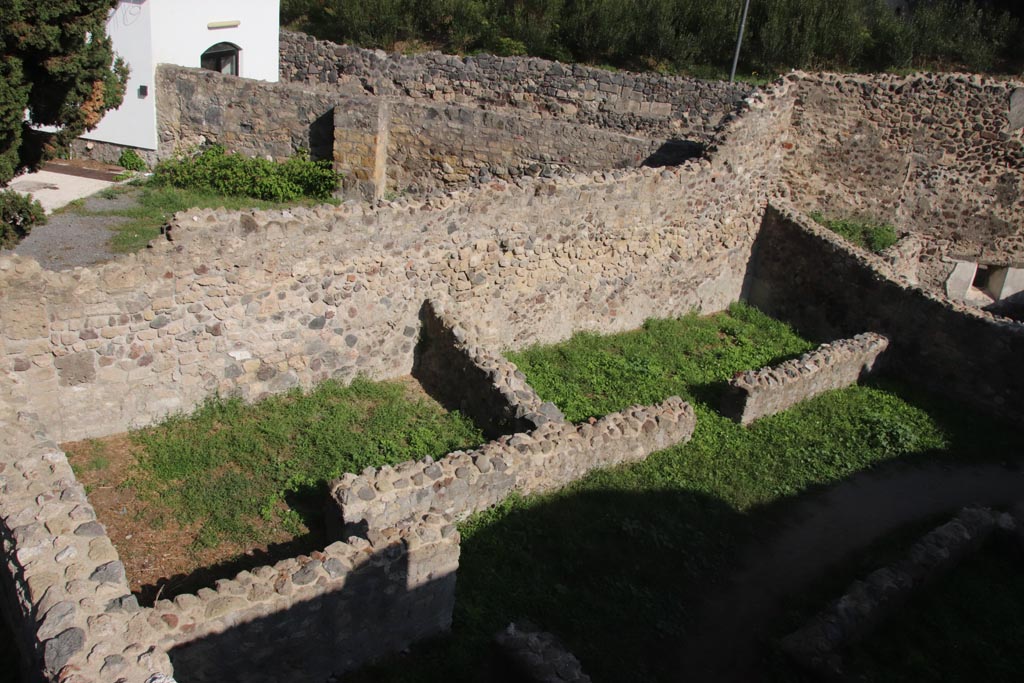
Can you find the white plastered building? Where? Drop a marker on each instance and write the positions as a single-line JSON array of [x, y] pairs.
[[232, 36]]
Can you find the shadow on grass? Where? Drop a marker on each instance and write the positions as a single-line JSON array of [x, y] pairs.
[[308, 504]]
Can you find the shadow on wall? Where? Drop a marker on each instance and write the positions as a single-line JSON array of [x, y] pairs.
[[674, 153], [376, 612], [321, 137]]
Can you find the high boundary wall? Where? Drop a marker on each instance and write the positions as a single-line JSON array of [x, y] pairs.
[[953, 350], [383, 144], [632, 103], [934, 154]]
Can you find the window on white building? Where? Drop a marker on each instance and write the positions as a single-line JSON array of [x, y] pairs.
[[222, 57]]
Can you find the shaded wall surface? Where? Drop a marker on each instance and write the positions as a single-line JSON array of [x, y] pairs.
[[807, 276]]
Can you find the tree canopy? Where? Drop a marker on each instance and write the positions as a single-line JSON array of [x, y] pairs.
[[58, 69], [694, 36]]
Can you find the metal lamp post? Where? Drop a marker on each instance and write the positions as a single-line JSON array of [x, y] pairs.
[[739, 42]]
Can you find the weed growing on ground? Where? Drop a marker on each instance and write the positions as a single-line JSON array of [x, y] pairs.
[[157, 205], [616, 563], [240, 471], [875, 237]]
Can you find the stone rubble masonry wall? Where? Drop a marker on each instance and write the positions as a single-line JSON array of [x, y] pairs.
[[928, 153], [633, 103], [309, 618], [381, 144], [818, 645], [481, 384], [255, 118], [437, 145], [547, 458], [538, 656], [952, 349], [62, 579], [756, 393], [252, 303]]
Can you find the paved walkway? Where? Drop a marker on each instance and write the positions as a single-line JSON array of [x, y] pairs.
[[728, 641], [54, 190]]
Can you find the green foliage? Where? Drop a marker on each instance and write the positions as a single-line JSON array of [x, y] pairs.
[[18, 214], [591, 375], [57, 65], [230, 465], [876, 237], [215, 170], [617, 563], [131, 161], [683, 35]]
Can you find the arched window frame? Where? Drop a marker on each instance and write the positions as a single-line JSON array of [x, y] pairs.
[[222, 58]]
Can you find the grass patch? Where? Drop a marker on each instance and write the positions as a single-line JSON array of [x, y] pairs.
[[875, 237], [156, 205], [968, 627], [591, 375], [617, 563], [240, 472]]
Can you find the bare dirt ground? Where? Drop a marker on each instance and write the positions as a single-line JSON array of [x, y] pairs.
[[729, 643]]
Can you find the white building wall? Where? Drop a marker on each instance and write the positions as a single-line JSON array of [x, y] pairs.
[[150, 32], [134, 122], [181, 33]]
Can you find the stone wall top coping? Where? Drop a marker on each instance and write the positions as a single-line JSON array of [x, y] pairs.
[[819, 359]]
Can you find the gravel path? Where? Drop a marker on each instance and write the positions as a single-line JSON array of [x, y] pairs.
[[72, 237], [728, 643]]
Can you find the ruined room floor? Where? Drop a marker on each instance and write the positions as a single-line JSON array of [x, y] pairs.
[[160, 556]]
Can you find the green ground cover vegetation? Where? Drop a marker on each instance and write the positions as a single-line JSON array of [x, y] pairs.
[[875, 237], [241, 471], [616, 563], [688, 36]]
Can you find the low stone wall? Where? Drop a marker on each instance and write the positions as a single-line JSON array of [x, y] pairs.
[[481, 384], [818, 645], [62, 581], [550, 457], [255, 118], [648, 103], [811, 278], [756, 393], [537, 657], [311, 618]]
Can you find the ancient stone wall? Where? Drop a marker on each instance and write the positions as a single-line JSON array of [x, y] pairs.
[[818, 645], [476, 381], [756, 393], [808, 276], [929, 153], [647, 103], [255, 302], [547, 458], [432, 146], [311, 618]]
